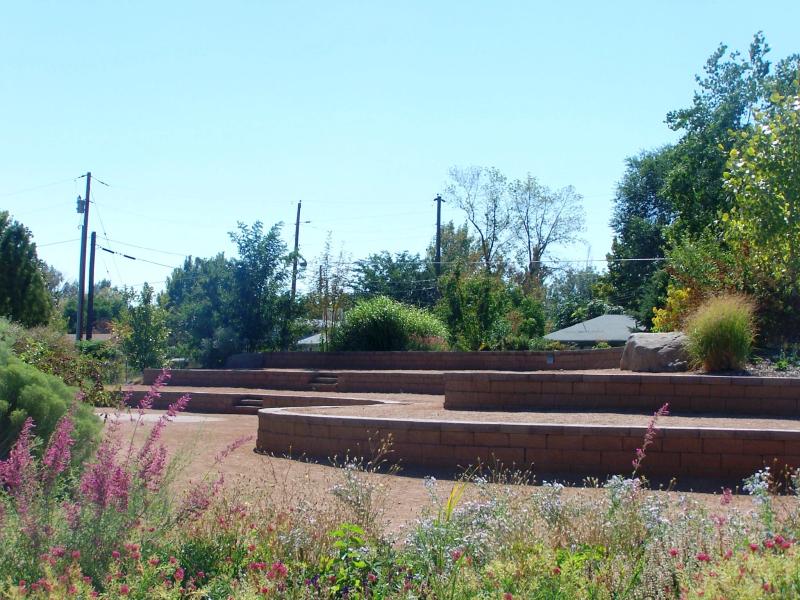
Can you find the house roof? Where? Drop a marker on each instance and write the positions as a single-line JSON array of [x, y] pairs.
[[606, 328]]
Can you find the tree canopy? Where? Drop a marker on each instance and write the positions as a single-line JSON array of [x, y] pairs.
[[24, 295]]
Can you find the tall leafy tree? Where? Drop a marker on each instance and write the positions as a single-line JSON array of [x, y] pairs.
[[403, 277], [24, 295], [642, 212], [459, 248], [261, 274], [199, 300], [763, 226], [144, 332]]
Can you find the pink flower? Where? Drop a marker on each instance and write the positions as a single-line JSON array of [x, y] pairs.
[[115, 554], [703, 557], [76, 554], [753, 547], [154, 391], [372, 578], [16, 472], [456, 554], [508, 596], [124, 589], [179, 574], [727, 497], [104, 482], [58, 454], [649, 436], [673, 552], [277, 571], [236, 444]]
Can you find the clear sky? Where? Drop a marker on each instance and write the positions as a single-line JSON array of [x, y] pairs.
[[202, 114]]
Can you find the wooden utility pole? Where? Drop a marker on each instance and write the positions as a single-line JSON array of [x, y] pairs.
[[438, 263], [82, 272], [90, 301], [296, 247]]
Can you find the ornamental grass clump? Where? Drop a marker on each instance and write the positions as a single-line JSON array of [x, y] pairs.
[[721, 333]]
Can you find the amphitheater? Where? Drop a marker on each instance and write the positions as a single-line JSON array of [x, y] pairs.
[[569, 412]]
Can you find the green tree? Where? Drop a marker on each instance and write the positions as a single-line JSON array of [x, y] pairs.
[[110, 303], [763, 225], [570, 298], [198, 298], [482, 312], [261, 273], [24, 296], [642, 212], [676, 194], [403, 277], [144, 332], [459, 248]]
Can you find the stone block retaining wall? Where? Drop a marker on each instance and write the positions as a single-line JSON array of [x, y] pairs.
[[622, 391], [602, 450], [436, 361]]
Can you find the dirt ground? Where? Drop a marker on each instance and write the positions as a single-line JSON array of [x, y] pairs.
[[432, 408], [198, 438]]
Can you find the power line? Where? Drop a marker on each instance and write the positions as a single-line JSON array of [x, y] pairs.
[[145, 247], [39, 187], [57, 243], [129, 257]]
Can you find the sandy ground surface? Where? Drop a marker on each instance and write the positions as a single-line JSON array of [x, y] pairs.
[[197, 439], [431, 408]]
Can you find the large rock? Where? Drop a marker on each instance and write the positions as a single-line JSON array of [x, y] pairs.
[[655, 352]]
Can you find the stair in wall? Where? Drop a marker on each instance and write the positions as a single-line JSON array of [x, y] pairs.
[[248, 406], [324, 381]]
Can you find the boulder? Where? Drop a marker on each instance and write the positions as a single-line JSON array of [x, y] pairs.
[[655, 352]]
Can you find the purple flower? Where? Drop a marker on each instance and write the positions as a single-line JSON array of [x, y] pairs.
[[105, 482], [233, 446], [57, 456], [649, 436], [154, 391], [17, 472]]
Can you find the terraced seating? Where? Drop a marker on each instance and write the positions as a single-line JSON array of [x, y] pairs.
[[722, 427]]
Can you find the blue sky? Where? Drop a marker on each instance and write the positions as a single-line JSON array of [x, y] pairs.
[[199, 115]]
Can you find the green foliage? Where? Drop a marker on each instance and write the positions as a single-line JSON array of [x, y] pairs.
[[721, 333], [482, 312], [676, 194], [144, 332], [260, 295], [403, 277], [641, 213], [763, 225], [24, 296], [385, 324], [459, 249], [25, 391], [88, 365], [110, 304], [199, 301]]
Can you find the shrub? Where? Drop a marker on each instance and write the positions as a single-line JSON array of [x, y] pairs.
[[25, 392], [721, 333], [88, 365], [385, 324]]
